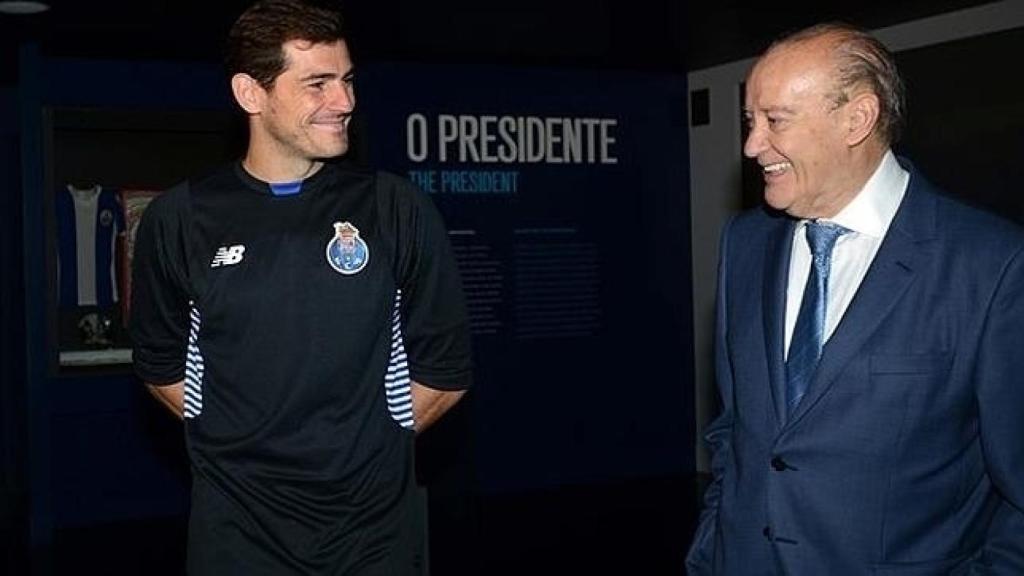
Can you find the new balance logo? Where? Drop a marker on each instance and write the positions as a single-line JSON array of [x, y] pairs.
[[227, 256]]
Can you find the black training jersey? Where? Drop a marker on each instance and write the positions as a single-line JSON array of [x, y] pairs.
[[296, 323]]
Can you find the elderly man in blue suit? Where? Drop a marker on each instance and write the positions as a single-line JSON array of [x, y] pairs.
[[870, 344]]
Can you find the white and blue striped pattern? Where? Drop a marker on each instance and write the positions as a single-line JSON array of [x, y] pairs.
[[397, 384], [193, 368]]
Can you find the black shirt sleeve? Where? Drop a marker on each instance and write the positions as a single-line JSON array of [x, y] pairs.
[[159, 312], [435, 327]]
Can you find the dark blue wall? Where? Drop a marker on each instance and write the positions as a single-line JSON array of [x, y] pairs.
[[13, 477], [610, 398]]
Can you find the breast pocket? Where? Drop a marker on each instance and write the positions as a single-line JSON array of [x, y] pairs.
[[909, 364], [922, 398], [918, 381], [886, 398]]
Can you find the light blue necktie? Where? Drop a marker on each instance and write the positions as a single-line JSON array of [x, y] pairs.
[[807, 341]]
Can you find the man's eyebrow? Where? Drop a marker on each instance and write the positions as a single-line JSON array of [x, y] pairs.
[[769, 111], [786, 110], [318, 76], [326, 75]]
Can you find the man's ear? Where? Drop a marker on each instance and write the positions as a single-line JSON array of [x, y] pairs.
[[248, 93], [862, 112]]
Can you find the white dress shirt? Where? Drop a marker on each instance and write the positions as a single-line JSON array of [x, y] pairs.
[[868, 217]]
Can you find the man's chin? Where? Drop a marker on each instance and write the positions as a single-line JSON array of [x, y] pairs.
[[333, 150], [776, 198]]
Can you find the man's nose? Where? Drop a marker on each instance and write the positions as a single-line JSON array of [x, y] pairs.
[[755, 142], [342, 97]]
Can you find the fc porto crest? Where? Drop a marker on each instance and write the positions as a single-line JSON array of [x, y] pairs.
[[347, 253]]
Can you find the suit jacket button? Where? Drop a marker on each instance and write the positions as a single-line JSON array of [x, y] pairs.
[[778, 464], [767, 532]]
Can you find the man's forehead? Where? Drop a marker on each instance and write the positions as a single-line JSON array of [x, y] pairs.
[[789, 74]]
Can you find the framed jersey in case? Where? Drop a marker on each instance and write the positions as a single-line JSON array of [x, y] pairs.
[[102, 167]]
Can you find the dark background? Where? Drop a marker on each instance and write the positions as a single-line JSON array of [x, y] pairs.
[[639, 527], [661, 35]]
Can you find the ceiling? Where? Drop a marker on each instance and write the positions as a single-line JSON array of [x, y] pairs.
[[658, 35]]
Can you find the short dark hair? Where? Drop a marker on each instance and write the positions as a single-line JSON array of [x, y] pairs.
[[254, 45], [861, 59]]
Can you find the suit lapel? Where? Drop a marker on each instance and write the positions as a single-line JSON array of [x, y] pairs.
[[776, 276], [890, 275]]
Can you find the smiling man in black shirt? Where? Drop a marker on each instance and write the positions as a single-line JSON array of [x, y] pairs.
[[303, 319]]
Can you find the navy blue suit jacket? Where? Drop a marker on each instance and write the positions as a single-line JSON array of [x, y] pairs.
[[906, 456]]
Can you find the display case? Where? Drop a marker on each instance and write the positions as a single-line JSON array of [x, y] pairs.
[[102, 167]]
